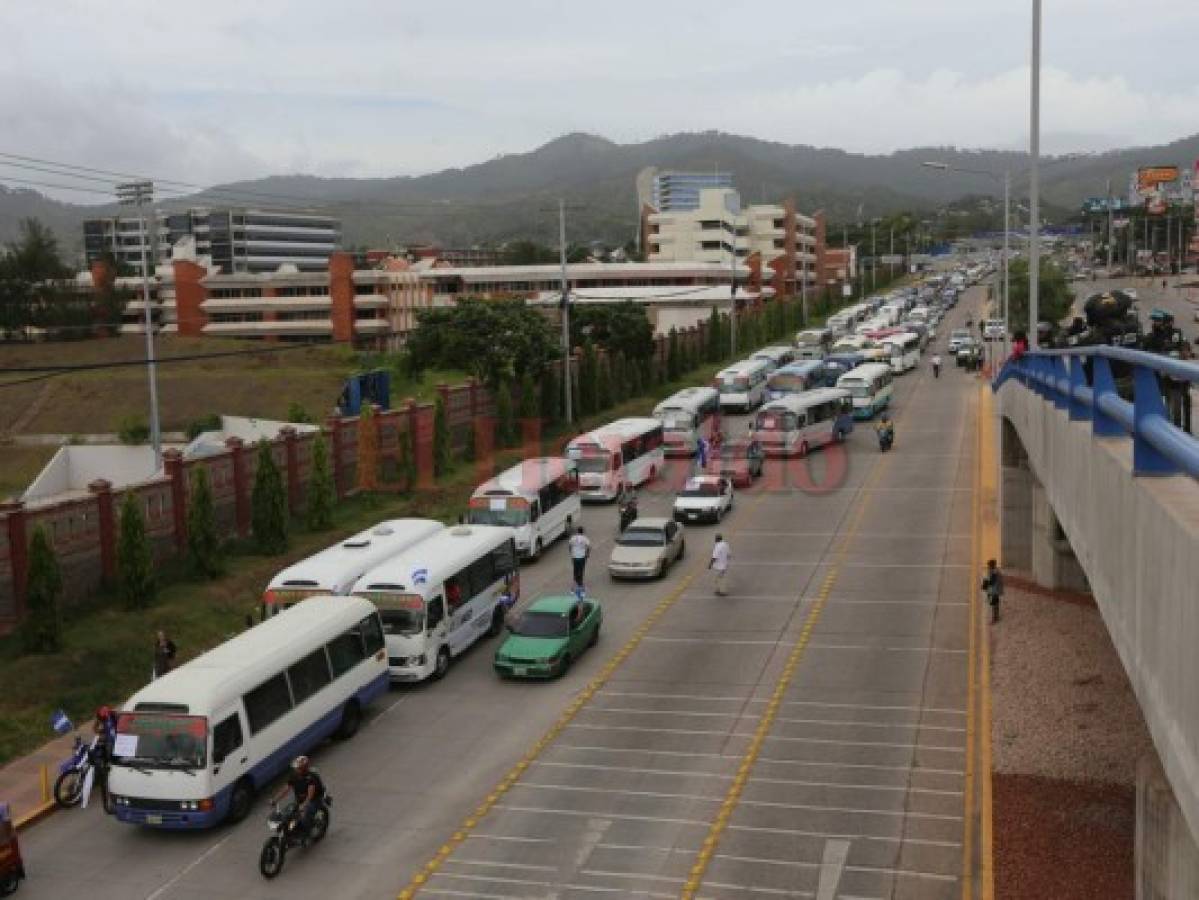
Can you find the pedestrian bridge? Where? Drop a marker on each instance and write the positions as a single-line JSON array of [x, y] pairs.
[[1098, 488]]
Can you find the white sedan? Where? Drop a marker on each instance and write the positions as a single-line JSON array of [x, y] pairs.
[[705, 498]]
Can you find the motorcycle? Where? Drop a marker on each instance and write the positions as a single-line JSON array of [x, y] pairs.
[[628, 514], [886, 437], [77, 773], [286, 833]]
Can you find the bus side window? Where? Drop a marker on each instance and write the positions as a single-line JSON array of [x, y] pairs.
[[226, 738], [455, 587], [435, 612]]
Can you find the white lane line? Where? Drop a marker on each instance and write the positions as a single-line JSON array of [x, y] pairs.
[[831, 866], [750, 715], [846, 602], [770, 804], [639, 730], [897, 536], [484, 836], [837, 785], [392, 706], [545, 810], [736, 699], [762, 829], [191, 865], [733, 758], [528, 882], [446, 892], [706, 697], [802, 740], [878, 870], [871, 724], [458, 861], [883, 649], [668, 712], [650, 639], [606, 874], [758, 564]]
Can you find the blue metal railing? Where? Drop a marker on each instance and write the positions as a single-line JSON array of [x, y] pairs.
[[1061, 377]]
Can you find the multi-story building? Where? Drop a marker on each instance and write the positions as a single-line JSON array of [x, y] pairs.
[[236, 239], [783, 241], [670, 191]]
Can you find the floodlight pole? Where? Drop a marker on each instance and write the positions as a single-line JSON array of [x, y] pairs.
[[139, 194]]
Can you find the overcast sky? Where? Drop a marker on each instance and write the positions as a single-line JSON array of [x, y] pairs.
[[228, 89]]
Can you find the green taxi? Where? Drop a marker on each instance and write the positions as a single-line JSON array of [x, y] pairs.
[[550, 634]]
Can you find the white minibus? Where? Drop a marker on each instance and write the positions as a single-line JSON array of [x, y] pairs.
[[794, 424], [813, 343], [743, 384], [775, 357], [194, 746], [870, 385], [334, 570], [622, 454], [687, 416], [539, 498], [905, 351], [441, 596]]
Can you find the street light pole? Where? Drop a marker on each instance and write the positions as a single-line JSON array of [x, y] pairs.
[[1007, 229], [873, 258], [1110, 228], [1034, 182], [567, 375], [138, 194], [733, 293]]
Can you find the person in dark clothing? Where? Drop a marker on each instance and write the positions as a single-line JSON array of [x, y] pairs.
[[992, 586], [307, 788], [164, 654], [1166, 340]]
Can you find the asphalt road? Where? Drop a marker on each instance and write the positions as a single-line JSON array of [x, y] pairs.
[[817, 717]]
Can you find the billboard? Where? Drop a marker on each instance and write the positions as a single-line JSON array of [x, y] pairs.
[[1151, 178]]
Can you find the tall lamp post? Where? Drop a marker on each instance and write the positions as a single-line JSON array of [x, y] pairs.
[[140, 195], [1034, 181], [567, 375]]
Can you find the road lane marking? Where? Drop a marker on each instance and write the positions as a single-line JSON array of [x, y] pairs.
[[968, 875], [879, 838], [989, 548], [456, 861], [900, 746], [162, 889], [831, 866], [564, 721], [609, 692]]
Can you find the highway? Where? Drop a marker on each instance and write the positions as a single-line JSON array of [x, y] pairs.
[[807, 736]]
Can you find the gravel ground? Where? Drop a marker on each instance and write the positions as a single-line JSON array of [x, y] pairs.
[[1062, 840], [1067, 735], [1063, 707]]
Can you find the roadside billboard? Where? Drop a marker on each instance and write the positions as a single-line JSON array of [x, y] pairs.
[[1151, 178]]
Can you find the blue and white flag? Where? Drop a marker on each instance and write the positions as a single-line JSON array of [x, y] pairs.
[[60, 723], [420, 576]]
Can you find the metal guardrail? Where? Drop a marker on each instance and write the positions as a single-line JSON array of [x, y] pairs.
[[1062, 377]]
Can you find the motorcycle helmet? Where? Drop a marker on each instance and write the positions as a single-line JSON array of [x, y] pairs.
[[300, 764]]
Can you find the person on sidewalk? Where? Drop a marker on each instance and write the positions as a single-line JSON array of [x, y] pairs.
[[719, 563], [580, 549], [993, 587], [164, 654], [936, 365]]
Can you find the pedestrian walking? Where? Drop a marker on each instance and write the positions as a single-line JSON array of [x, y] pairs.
[[992, 586], [936, 365], [719, 563], [164, 654], [580, 549], [701, 455]]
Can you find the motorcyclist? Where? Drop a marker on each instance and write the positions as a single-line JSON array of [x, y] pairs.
[[885, 431], [307, 788], [627, 508]]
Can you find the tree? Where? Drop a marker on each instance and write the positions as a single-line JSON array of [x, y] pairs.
[[603, 385], [551, 395], [368, 449], [673, 363], [528, 408], [441, 437], [527, 253], [135, 565], [505, 420], [715, 344], [621, 326], [268, 504], [588, 381], [1053, 294], [633, 372], [41, 632], [318, 510], [407, 460], [34, 256], [203, 545], [619, 373]]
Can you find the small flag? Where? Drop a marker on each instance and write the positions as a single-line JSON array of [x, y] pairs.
[[420, 576], [60, 723]]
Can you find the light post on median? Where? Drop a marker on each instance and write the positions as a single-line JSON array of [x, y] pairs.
[[140, 194], [1034, 181]]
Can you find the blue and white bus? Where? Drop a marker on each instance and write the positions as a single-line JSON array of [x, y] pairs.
[[796, 423], [837, 364], [795, 378], [193, 747], [905, 351], [870, 385], [743, 385]]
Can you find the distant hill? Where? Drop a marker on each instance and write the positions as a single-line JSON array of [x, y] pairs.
[[515, 195]]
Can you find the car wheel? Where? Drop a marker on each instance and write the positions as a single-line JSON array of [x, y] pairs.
[[564, 666], [497, 622], [594, 637], [682, 550], [351, 720]]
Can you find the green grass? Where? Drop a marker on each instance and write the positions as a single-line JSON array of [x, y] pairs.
[[108, 650], [20, 465]]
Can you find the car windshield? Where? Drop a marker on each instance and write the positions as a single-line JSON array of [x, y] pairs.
[[700, 489], [401, 613], [542, 624], [593, 464], [158, 740], [642, 537], [507, 515]]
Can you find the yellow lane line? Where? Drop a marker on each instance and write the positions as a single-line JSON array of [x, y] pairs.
[[430, 868], [989, 549], [703, 857]]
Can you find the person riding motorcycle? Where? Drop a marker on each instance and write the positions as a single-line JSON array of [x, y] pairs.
[[627, 508], [307, 788], [886, 433]]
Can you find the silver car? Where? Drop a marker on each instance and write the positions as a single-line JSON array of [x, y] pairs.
[[647, 548]]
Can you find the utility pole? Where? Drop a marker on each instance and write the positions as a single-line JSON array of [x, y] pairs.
[[873, 258], [1110, 227], [139, 194], [567, 376], [733, 293], [891, 261], [1034, 182], [1007, 228]]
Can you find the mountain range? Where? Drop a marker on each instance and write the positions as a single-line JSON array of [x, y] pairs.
[[516, 195]]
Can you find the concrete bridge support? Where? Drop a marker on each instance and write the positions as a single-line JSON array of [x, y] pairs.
[[1167, 860]]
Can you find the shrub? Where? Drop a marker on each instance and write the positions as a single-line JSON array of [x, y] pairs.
[[41, 632], [318, 511], [203, 545], [268, 504], [196, 427], [298, 415], [135, 565], [441, 437], [133, 430], [505, 419]]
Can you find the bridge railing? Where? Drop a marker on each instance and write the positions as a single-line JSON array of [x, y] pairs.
[[1080, 381]]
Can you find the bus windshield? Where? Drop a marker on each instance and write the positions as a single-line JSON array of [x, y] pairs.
[[856, 388], [401, 613], [677, 420], [775, 421], [734, 384], [809, 338], [161, 741], [787, 383], [498, 512], [593, 462], [542, 624]]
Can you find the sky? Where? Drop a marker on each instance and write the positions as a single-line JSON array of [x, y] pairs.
[[224, 90]]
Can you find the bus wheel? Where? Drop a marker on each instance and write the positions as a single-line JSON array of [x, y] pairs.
[[240, 799], [443, 663], [351, 720]]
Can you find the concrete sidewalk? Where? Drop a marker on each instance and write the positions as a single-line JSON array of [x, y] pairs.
[[23, 786]]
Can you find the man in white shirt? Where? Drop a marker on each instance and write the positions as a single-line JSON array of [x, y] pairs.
[[721, 554], [580, 549]]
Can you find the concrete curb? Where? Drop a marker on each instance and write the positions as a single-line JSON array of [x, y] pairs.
[[35, 815]]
